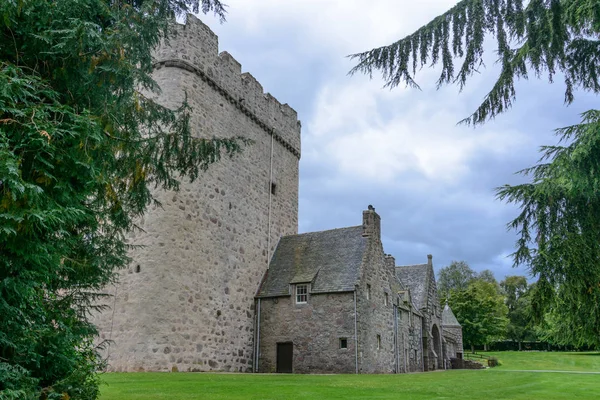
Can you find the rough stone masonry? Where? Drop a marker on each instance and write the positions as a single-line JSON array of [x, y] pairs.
[[186, 303]]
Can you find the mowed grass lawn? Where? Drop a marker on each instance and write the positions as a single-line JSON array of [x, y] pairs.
[[495, 383]]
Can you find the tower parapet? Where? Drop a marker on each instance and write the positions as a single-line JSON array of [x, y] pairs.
[[194, 47]]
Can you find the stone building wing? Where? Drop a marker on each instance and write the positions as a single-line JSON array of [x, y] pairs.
[[329, 260], [448, 317], [415, 277]]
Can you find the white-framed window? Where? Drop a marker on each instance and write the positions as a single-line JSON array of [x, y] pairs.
[[368, 292], [385, 299], [343, 343], [378, 342], [301, 294]]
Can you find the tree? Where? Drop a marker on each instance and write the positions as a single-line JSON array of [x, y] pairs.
[[455, 276], [481, 311], [518, 302], [559, 222], [81, 147], [487, 276]]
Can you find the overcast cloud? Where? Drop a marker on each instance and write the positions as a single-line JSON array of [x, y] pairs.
[[431, 181]]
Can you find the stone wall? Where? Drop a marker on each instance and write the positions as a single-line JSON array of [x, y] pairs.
[[314, 328], [454, 346], [433, 323], [410, 340], [375, 318], [187, 300]]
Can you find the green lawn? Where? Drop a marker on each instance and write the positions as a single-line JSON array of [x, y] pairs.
[[496, 383], [555, 361]]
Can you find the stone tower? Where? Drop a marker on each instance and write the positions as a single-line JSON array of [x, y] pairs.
[[186, 302]]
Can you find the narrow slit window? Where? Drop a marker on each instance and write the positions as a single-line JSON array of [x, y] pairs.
[[385, 299], [368, 292], [273, 188], [301, 294], [378, 342]]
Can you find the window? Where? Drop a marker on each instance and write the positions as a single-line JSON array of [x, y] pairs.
[[301, 294], [368, 292], [378, 342], [385, 299], [273, 188], [343, 343]]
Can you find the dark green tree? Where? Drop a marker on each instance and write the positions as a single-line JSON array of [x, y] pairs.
[[481, 311], [81, 147], [518, 301], [559, 222]]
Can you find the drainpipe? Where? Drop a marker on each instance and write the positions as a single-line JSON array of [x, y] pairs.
[[406, 355], [270, 200], [421, 344], [397, 363], [257, 338], [355, 335], [270, 189]]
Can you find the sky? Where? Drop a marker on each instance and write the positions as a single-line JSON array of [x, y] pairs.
[[431, 181]]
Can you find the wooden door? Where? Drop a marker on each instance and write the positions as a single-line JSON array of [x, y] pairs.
[[285, 356]]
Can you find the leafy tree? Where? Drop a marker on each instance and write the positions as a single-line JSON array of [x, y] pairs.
[[520, 327], [487, 276], [559, 223], [81, 147], [481, 311], [455, 276]]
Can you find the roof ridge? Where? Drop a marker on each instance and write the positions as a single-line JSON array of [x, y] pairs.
[[411, 265], [325, 230]]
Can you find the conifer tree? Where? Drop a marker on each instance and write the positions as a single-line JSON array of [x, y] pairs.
[[82, 145], [559, 221]]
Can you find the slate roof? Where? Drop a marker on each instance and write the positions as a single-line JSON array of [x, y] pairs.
[[448, 318], [415, 277], [330, 260]]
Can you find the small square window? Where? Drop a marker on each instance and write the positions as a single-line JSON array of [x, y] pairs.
[[343, 343], [378, 342], [301, 294], [368, 292]]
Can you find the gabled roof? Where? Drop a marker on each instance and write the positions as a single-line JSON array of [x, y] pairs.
[[448, 318], [416, 278], [330, 260]]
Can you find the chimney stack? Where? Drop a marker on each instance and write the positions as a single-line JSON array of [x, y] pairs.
[[429, 259], [371, 223], [390, 261]]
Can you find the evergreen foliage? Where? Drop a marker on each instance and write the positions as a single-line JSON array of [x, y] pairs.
[[559, 222], [81, 146]]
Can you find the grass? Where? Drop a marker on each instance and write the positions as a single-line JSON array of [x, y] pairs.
[[555, 361], [496, 383]]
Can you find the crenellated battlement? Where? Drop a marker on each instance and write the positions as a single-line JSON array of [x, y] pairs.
[[194, 47]]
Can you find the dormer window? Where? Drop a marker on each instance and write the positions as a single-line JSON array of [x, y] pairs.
[[301, 294]]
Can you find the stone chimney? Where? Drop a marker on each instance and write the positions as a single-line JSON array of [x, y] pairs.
[[390, 261], [429, 259], [371, 223]]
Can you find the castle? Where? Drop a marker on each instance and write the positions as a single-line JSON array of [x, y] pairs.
[[194, 298]]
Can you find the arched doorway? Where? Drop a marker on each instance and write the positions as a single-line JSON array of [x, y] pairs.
[[437, 347]]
